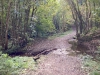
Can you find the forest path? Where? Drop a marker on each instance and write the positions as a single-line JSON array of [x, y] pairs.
[[59, 61]]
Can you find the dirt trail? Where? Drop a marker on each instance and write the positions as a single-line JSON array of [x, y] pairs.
[[58, 62], [58, 43]]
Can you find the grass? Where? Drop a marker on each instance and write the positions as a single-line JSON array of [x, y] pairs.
[[60, 34]]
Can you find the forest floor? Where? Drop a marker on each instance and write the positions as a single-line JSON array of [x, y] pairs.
[[62, 60]]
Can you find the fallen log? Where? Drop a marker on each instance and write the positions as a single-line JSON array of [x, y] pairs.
[[44, 52]]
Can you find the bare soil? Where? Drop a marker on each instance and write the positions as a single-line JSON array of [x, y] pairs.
[[59, 61]]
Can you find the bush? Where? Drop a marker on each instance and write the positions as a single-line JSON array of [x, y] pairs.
[[15, 50], [15, 65]]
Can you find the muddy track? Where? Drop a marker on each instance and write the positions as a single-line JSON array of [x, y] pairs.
[[51, 44], [58, 61]]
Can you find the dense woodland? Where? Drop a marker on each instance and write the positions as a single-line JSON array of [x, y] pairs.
[[22, 21]]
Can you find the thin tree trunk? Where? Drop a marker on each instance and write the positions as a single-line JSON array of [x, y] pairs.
[[2, 40], [7, 25]]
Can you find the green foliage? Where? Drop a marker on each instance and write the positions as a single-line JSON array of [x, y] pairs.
[[59, 34], [15, 50], [91, 66], [90, 63], [94, 29], [98, 50], [44, 15], [95, 73], [45, 26], [63, 17], [15, 65]]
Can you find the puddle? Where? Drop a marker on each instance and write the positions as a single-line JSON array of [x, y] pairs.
[[66, 52], [61, 51]]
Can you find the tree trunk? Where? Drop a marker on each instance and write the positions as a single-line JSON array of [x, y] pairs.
[[7, 25]]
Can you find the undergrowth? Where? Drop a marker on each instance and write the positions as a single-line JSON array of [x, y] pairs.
[[91, 66], [60, 34], [15, 65]]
